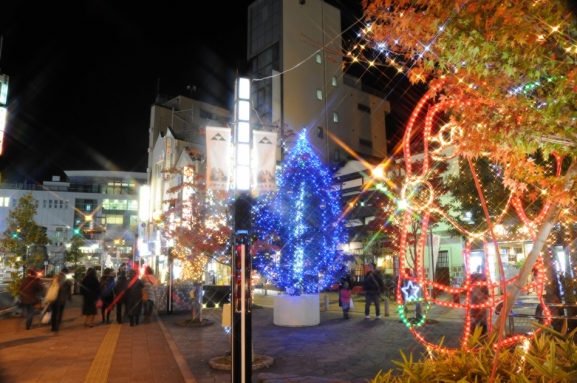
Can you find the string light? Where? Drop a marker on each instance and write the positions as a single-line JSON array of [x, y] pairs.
[[304, 219], [406, 295]]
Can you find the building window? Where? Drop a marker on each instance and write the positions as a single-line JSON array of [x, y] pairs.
[[205, 114], [366, 143], [113, 219], [7, 201], [334, 81], [320, 132], [319, 58], [44, 204], [364, 108], [319, 94], [335, 117]]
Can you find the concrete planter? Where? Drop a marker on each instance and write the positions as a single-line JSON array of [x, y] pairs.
[[297, 311]]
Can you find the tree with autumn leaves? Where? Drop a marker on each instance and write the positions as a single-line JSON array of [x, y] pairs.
[[199, 223], [505, 71]]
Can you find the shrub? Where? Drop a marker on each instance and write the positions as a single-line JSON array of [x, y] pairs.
[[548, 357]]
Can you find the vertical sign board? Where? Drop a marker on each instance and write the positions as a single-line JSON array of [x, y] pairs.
[[217, 158], [264, 149]]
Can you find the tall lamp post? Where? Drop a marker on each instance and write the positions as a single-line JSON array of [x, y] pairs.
[[241, 306]]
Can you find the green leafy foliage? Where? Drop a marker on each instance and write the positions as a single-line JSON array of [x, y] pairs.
[[24, 240], [73, 254], [549, 357]]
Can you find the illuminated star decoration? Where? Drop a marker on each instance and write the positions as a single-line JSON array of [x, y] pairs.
[[410, 291]]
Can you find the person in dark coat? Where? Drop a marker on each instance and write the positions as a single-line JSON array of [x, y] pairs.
[[479, 295], [134, 298], [90, 290], [106, 294], [373, 285], [64, 293], [31, 288], [120, 295]]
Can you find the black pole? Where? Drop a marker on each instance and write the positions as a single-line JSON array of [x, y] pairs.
[[169, 294], [241, 294]]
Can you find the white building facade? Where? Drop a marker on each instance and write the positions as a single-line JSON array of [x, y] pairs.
[[102, 206]]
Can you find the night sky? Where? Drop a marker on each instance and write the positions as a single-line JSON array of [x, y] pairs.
[[83, 75]]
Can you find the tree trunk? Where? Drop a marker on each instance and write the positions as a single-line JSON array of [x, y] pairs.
[[196, 295], [515, 289]]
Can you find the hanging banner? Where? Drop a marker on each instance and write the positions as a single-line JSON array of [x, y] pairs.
[[217, 158], [265, 160], [436, 246]]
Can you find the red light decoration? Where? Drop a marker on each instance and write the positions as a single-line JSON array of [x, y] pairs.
[[446, 137]]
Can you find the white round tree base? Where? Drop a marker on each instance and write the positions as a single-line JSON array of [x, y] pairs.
[[297, 311]]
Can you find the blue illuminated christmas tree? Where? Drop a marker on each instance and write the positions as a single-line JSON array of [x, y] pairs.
[[303, 220]]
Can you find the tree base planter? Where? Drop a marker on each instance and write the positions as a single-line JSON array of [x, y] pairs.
[[297, 311], [225, 362]]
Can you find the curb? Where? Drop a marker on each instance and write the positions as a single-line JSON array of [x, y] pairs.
[[180, 361]]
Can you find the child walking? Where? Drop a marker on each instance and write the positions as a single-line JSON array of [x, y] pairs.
[[346, 299]]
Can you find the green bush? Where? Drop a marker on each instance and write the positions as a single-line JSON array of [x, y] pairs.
[[548, 357]]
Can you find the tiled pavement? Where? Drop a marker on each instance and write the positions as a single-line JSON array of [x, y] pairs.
[[138, 354], [352, 350]]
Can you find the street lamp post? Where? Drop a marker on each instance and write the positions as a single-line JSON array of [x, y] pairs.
[[241, 306]]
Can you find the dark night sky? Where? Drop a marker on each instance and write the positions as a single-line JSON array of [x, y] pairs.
[[83, 75]]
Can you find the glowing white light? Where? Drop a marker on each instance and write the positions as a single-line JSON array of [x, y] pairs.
[[243, 88], [143, 199], [402, 204], [242, 177], [243, 132], [243, 110], [243, 154]]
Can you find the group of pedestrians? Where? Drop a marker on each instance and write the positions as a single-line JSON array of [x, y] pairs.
[[129, 294], [372, 288]]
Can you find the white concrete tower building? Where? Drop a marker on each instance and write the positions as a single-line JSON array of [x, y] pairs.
[[295, 49]]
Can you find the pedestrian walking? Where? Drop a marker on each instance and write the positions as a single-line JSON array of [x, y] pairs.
[[346, 298], [120, 295], [373, 285], [31, 289], [148, 293], [134, 298], [106, 294], [479, 295], [64, 294], [90, 290]]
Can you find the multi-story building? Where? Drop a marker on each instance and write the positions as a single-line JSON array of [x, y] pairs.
[[102, 206], [177, 130], [295, 49], [187, 119]]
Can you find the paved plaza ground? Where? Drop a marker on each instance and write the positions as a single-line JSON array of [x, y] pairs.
[[352, 350]]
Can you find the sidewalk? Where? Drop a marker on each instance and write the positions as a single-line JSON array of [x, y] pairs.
[[352, 350], [104, 353]]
